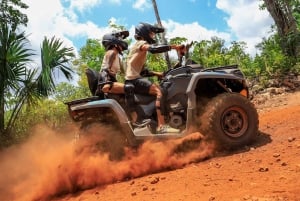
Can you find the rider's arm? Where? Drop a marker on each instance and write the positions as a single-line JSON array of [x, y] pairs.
[[111, 57], [159, 48]]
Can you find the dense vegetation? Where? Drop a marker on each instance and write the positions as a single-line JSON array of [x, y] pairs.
[[31, 96]]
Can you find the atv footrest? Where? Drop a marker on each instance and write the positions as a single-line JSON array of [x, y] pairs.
[[142, 132]]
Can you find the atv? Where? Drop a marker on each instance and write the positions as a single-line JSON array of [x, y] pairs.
[[212, 101]]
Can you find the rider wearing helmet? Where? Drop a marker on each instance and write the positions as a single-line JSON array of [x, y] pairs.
[[111, 64], [136, 60]]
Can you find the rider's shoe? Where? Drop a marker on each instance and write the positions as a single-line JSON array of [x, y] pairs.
[[167, 129], [145, 122]]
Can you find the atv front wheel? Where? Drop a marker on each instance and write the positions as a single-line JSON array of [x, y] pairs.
[[231, 120]]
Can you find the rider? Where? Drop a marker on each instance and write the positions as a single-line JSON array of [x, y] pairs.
[[145, 36], [112, 64]]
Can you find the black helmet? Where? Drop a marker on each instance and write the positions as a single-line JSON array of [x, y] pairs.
[[143, 30], [115, 39]]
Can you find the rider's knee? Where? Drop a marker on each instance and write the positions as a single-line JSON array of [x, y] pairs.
[[155, 90], [129, 88], [129, 94]]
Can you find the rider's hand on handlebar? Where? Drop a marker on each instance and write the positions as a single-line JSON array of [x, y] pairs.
[[181, 49]]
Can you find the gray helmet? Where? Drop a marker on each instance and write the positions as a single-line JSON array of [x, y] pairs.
[[115, 40], [142, 30]]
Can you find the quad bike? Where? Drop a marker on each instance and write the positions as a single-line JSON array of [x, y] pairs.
[[213, 101]]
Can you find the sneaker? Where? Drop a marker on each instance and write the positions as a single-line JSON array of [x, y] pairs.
[[167, 129], [145, 122]]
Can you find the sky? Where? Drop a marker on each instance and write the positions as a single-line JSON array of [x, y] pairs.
[[74, 21]]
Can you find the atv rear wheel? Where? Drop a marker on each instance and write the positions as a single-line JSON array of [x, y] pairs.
[[231, 120]]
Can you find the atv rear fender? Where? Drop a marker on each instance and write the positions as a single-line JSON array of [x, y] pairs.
[[106, 104]]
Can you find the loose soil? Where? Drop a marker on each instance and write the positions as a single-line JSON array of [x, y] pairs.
[[267, 170]]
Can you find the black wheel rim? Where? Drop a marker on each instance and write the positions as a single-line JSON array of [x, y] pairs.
[[234, 122]]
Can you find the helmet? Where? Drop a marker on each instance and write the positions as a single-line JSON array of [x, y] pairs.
[[115, 40], [143, 30]]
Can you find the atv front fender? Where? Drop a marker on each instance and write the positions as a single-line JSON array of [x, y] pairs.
[[192, 97]]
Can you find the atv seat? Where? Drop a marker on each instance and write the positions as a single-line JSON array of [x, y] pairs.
[[95, 84], [92, 78]]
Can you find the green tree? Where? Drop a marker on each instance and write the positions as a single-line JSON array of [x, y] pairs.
[[65, 92], [210, 53], [236, 55], [90, 56], [10, 14], [286, 16], [272, 61], [49, 112]]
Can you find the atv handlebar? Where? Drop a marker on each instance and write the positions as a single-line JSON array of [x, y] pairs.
[[183, 51]]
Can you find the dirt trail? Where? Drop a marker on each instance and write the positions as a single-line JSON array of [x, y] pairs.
[[268, 170]]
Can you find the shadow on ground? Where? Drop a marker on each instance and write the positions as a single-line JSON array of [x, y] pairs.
[[262, 140]]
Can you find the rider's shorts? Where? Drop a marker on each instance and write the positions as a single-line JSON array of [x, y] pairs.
[[141, 85]]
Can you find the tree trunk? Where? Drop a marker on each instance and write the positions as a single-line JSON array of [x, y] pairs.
[[163, 35], [281, 12], [1, 114]]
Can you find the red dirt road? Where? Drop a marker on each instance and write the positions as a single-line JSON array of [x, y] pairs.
[[47, 168], [269, 170]]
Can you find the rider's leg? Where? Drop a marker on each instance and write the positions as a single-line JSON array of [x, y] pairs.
[[129, 100], [114, 87], [155, 90], [162, 128], [129, 94]]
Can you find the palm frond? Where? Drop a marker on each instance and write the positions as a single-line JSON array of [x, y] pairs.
[[54, 57]]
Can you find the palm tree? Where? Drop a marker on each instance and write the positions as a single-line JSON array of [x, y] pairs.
[[20, 85], [14, 55], [55, 58]]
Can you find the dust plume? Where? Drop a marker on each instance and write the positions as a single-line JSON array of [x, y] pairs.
[[51, 164]]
